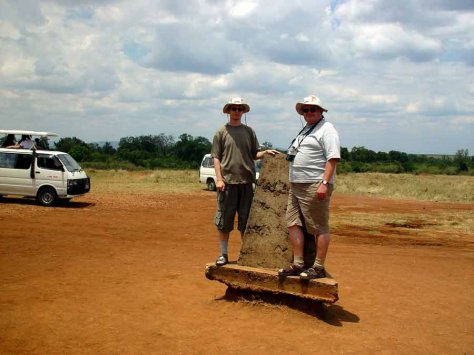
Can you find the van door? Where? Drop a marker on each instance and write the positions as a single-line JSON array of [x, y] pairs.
[[15, 176], [50, 171]]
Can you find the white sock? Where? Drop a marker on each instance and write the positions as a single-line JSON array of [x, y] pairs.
[[298, 260], [224, 244], [318, 264]]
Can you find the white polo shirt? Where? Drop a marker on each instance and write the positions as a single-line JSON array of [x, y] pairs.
[[314, 151]]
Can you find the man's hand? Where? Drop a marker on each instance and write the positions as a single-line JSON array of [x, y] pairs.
[[271, 152], [322, 192], [262, 153], [220, 185]]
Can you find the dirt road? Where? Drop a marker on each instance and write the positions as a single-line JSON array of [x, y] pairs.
[[124, 273]]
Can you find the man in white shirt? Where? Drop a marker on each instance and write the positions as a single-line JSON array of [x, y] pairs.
[[313, 157]]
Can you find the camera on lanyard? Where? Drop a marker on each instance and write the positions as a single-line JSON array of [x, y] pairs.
[[291, 153], [292, 150]]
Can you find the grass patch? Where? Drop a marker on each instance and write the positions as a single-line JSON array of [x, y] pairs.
[[396, 186], [406, 186], [166, 180], [441, 221]]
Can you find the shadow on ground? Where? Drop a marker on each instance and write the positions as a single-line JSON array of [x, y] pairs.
[[330, 313], [31, 201]]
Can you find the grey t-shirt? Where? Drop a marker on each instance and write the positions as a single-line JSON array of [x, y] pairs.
[[236, 148], [314, 151], [27, 144]]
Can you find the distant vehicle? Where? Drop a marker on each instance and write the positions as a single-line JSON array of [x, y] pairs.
[[48, 176], [207, 174]]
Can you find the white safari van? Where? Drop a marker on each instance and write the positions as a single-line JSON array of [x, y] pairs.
[[43, 174], [207, 174]]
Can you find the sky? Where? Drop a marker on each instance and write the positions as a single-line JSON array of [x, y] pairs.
[[394, 75]]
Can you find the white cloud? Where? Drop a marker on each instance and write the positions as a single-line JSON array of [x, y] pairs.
[[389, 72], [243, 8], [390, 41]]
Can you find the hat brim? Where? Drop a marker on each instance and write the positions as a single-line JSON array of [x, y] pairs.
[[227, 107], [299, 107]]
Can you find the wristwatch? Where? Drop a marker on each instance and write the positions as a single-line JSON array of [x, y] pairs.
[[325, 182]]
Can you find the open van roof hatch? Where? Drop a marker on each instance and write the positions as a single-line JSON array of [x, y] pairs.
[[31, 133]]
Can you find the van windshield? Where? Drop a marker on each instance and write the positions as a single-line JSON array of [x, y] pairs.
[[69, 162]]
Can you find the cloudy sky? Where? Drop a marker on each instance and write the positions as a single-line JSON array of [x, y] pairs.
[[394, 75]]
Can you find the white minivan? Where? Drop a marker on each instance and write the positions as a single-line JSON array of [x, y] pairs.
[[48, 176], [207, 174]]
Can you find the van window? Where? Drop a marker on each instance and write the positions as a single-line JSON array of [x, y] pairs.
[[69, 162], [208, 162], [49, 162], [15, 161], [7, 160]]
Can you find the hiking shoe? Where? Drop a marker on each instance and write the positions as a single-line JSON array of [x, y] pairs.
[[292, 270], [222, 260], [313, 273]]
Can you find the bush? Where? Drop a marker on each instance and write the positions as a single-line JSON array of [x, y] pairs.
[[110, 165], [392, 168]]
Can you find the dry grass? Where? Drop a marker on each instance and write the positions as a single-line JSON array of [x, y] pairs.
[[175, 181], [405, 186], [396, 186], [460, 222]]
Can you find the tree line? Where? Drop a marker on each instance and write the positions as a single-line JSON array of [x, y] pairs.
[[164, 151], [361, 159], [148, 152]]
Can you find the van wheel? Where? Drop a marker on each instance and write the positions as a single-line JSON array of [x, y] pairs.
[[211, 185], [46, 196]]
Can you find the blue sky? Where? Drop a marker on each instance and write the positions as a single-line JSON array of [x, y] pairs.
[[394, 75]]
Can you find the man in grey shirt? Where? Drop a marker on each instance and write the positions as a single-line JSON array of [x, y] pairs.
[[234, 149], [313, 157]]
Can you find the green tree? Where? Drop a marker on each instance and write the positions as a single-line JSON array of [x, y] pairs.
[[461, 159], [191, 149], [164, 144], [345, 154], [80, 153], [398, 156], [107, 149], [67, 143], [363, 154]]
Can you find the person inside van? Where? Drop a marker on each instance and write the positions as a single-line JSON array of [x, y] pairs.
[[39, 144], [25, 142], [9, 141]]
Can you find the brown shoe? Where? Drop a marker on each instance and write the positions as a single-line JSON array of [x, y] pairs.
[[292, 270], [313, 273]]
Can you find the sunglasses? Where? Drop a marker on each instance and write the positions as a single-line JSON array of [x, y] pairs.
[[239, 109], [312, 109]]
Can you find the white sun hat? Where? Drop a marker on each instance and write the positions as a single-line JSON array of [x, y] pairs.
[[236, 101], [309, 100]]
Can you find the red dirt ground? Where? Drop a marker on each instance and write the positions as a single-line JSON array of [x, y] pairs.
[[124, 273]]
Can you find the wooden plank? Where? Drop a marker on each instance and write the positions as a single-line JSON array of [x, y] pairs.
[[266, 280]]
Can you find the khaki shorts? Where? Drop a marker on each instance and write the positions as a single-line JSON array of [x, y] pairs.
[[305, 210], [236, 198]]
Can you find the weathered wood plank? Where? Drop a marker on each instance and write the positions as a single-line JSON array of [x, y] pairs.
[[258, 279]]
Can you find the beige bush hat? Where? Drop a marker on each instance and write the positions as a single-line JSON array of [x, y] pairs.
[[310, 100], [236, 101]]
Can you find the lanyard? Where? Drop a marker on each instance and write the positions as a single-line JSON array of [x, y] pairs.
[[304, 135]]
